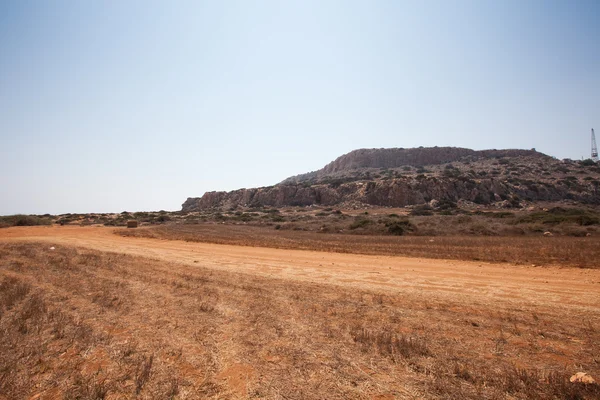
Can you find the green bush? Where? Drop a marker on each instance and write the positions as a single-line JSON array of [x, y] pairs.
[[398, 228], [559, 215], [23, 220], [495, 214], [360, 222], [421, 210]]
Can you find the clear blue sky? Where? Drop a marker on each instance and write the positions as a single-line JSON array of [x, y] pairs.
[[108, 106]]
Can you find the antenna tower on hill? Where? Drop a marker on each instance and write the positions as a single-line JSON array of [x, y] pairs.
[[594, 147]]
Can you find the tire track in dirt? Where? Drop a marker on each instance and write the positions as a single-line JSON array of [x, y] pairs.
[[470, 281]]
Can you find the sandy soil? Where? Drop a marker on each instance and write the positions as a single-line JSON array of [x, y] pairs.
[[470, 282]]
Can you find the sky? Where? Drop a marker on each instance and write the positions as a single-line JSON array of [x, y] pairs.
[[107, 106]]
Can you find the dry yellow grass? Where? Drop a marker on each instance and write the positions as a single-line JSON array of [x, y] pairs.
[[83, 324], [567, 251]]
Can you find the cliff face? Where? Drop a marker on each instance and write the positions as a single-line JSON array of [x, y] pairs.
[[394, 193], [397, 177]]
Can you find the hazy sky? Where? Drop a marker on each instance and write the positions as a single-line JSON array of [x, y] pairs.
[[136, 105]]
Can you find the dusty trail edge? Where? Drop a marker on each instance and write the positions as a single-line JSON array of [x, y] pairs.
[[471, 282]]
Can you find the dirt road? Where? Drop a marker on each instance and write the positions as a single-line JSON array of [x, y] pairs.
[[475, 283]]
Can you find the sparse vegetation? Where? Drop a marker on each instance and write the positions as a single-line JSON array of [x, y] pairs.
[[559, 215], [24, 220], [81, 324], [422, 210], [261, 336], [360, 222], [574, 251], [398, 227]]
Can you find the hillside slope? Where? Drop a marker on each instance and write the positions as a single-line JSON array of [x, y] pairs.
[[402, 177]]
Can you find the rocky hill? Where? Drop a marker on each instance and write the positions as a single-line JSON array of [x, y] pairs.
[[402, 177], [395, 158]]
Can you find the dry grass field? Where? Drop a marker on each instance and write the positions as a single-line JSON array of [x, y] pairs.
[[583, 252], [86, 314]]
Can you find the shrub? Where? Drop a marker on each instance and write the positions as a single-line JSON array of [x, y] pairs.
[[244, 217], [163, 218], [398, 228], [445, 204], [422, 210], [495, 214], [559, 215], [23, 220], [219, 216], [360, 222]]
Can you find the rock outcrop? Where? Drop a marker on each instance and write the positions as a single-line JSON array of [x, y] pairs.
[[397, 178], [398, 157]]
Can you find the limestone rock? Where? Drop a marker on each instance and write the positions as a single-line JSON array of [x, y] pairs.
[[582, 377]]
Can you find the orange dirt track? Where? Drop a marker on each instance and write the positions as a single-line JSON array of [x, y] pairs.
[[462, 281]]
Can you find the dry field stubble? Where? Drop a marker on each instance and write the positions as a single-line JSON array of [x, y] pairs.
[[83, 324], [581, 252]]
